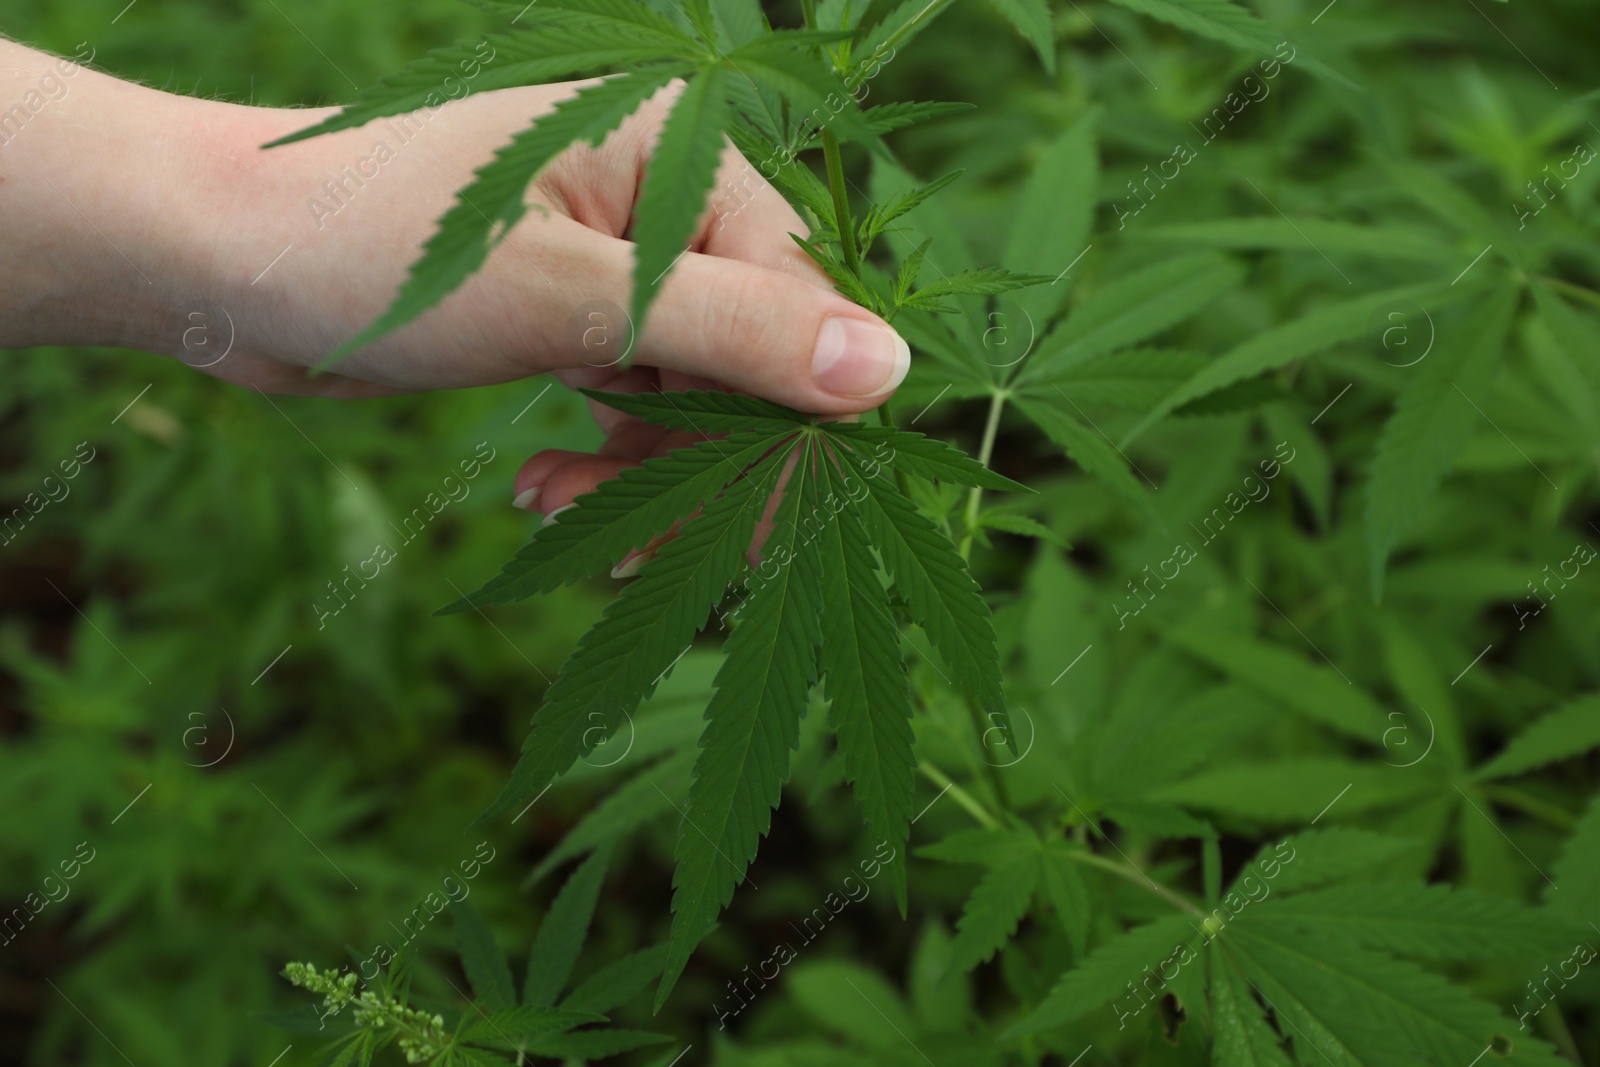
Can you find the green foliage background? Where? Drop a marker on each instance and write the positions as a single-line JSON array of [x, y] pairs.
[[1259, 687]]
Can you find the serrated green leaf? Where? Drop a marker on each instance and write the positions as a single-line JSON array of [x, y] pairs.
[[1423, 922], [617, 982], [1312, 469], [1063, 885], [840, 14], [698, 13], [752, 723], [1314, 858], [1309, 235], [620, 516], [738, 21], [1295, 788], [1051, 226], [926, 457], [935, 581], [948, 249], [1576, 892], [1312, 333], [982, 847], [511, 1027], [1444, 199], [1099, 457], [910, 270], [1570, 730], [1157, 820], [1432, 421], [1373, 1009], [357, 1046], [648, 795], [482, 958], [1134, 379], [1033, 19], [524, 59], [656, 616], [1574, 331], [1243, 1038], [990, 916], [593, 1044], [907, 20], [1106, 973], [1233, 25], [1312, 690], [794, 180], [562, 932], [843, 280], [612, 16], [1132, 309], [495, 200], [703, 411], [812, 88], [852, 1001], [677, 179], [985, 281], [866, 680], [1248, 395], [1020, 525], [879, 216], [898, 114]]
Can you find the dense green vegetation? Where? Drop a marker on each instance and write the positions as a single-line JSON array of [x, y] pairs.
[[1293, 757]]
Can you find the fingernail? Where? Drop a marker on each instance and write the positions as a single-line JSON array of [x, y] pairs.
[[527, 499], [630, 566], [857, 358], [551, 518]]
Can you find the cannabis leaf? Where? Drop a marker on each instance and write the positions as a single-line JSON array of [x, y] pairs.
[[1315, 332], [843, 536], [1568, 731], [1432, 421], [560, 37], [1233, 25], [373, 1017]]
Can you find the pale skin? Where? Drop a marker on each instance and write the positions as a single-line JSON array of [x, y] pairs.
[[127, 209]]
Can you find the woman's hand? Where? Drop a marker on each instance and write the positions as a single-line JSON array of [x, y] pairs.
[[133, 212]]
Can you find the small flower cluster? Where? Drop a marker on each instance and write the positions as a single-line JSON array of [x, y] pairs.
[[422, 1036]]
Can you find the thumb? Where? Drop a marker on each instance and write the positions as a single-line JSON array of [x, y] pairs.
[[765, 332]]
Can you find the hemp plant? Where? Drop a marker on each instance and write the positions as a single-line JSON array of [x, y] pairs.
[[359, 1018], [848, 537]]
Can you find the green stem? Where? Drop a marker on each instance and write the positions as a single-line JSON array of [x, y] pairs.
[[1530, 805], [893, 42], [962, 797], [1136, 876], [1555, 1025], [1588, 295], [841, 202], [982, 768], [997, 403]]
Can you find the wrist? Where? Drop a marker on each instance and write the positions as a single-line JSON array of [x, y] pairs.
[[125, 209]]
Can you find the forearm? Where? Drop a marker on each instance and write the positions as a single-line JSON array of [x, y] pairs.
[[103, 194]]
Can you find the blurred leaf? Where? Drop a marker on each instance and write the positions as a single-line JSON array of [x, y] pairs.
[[1433, 419]]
